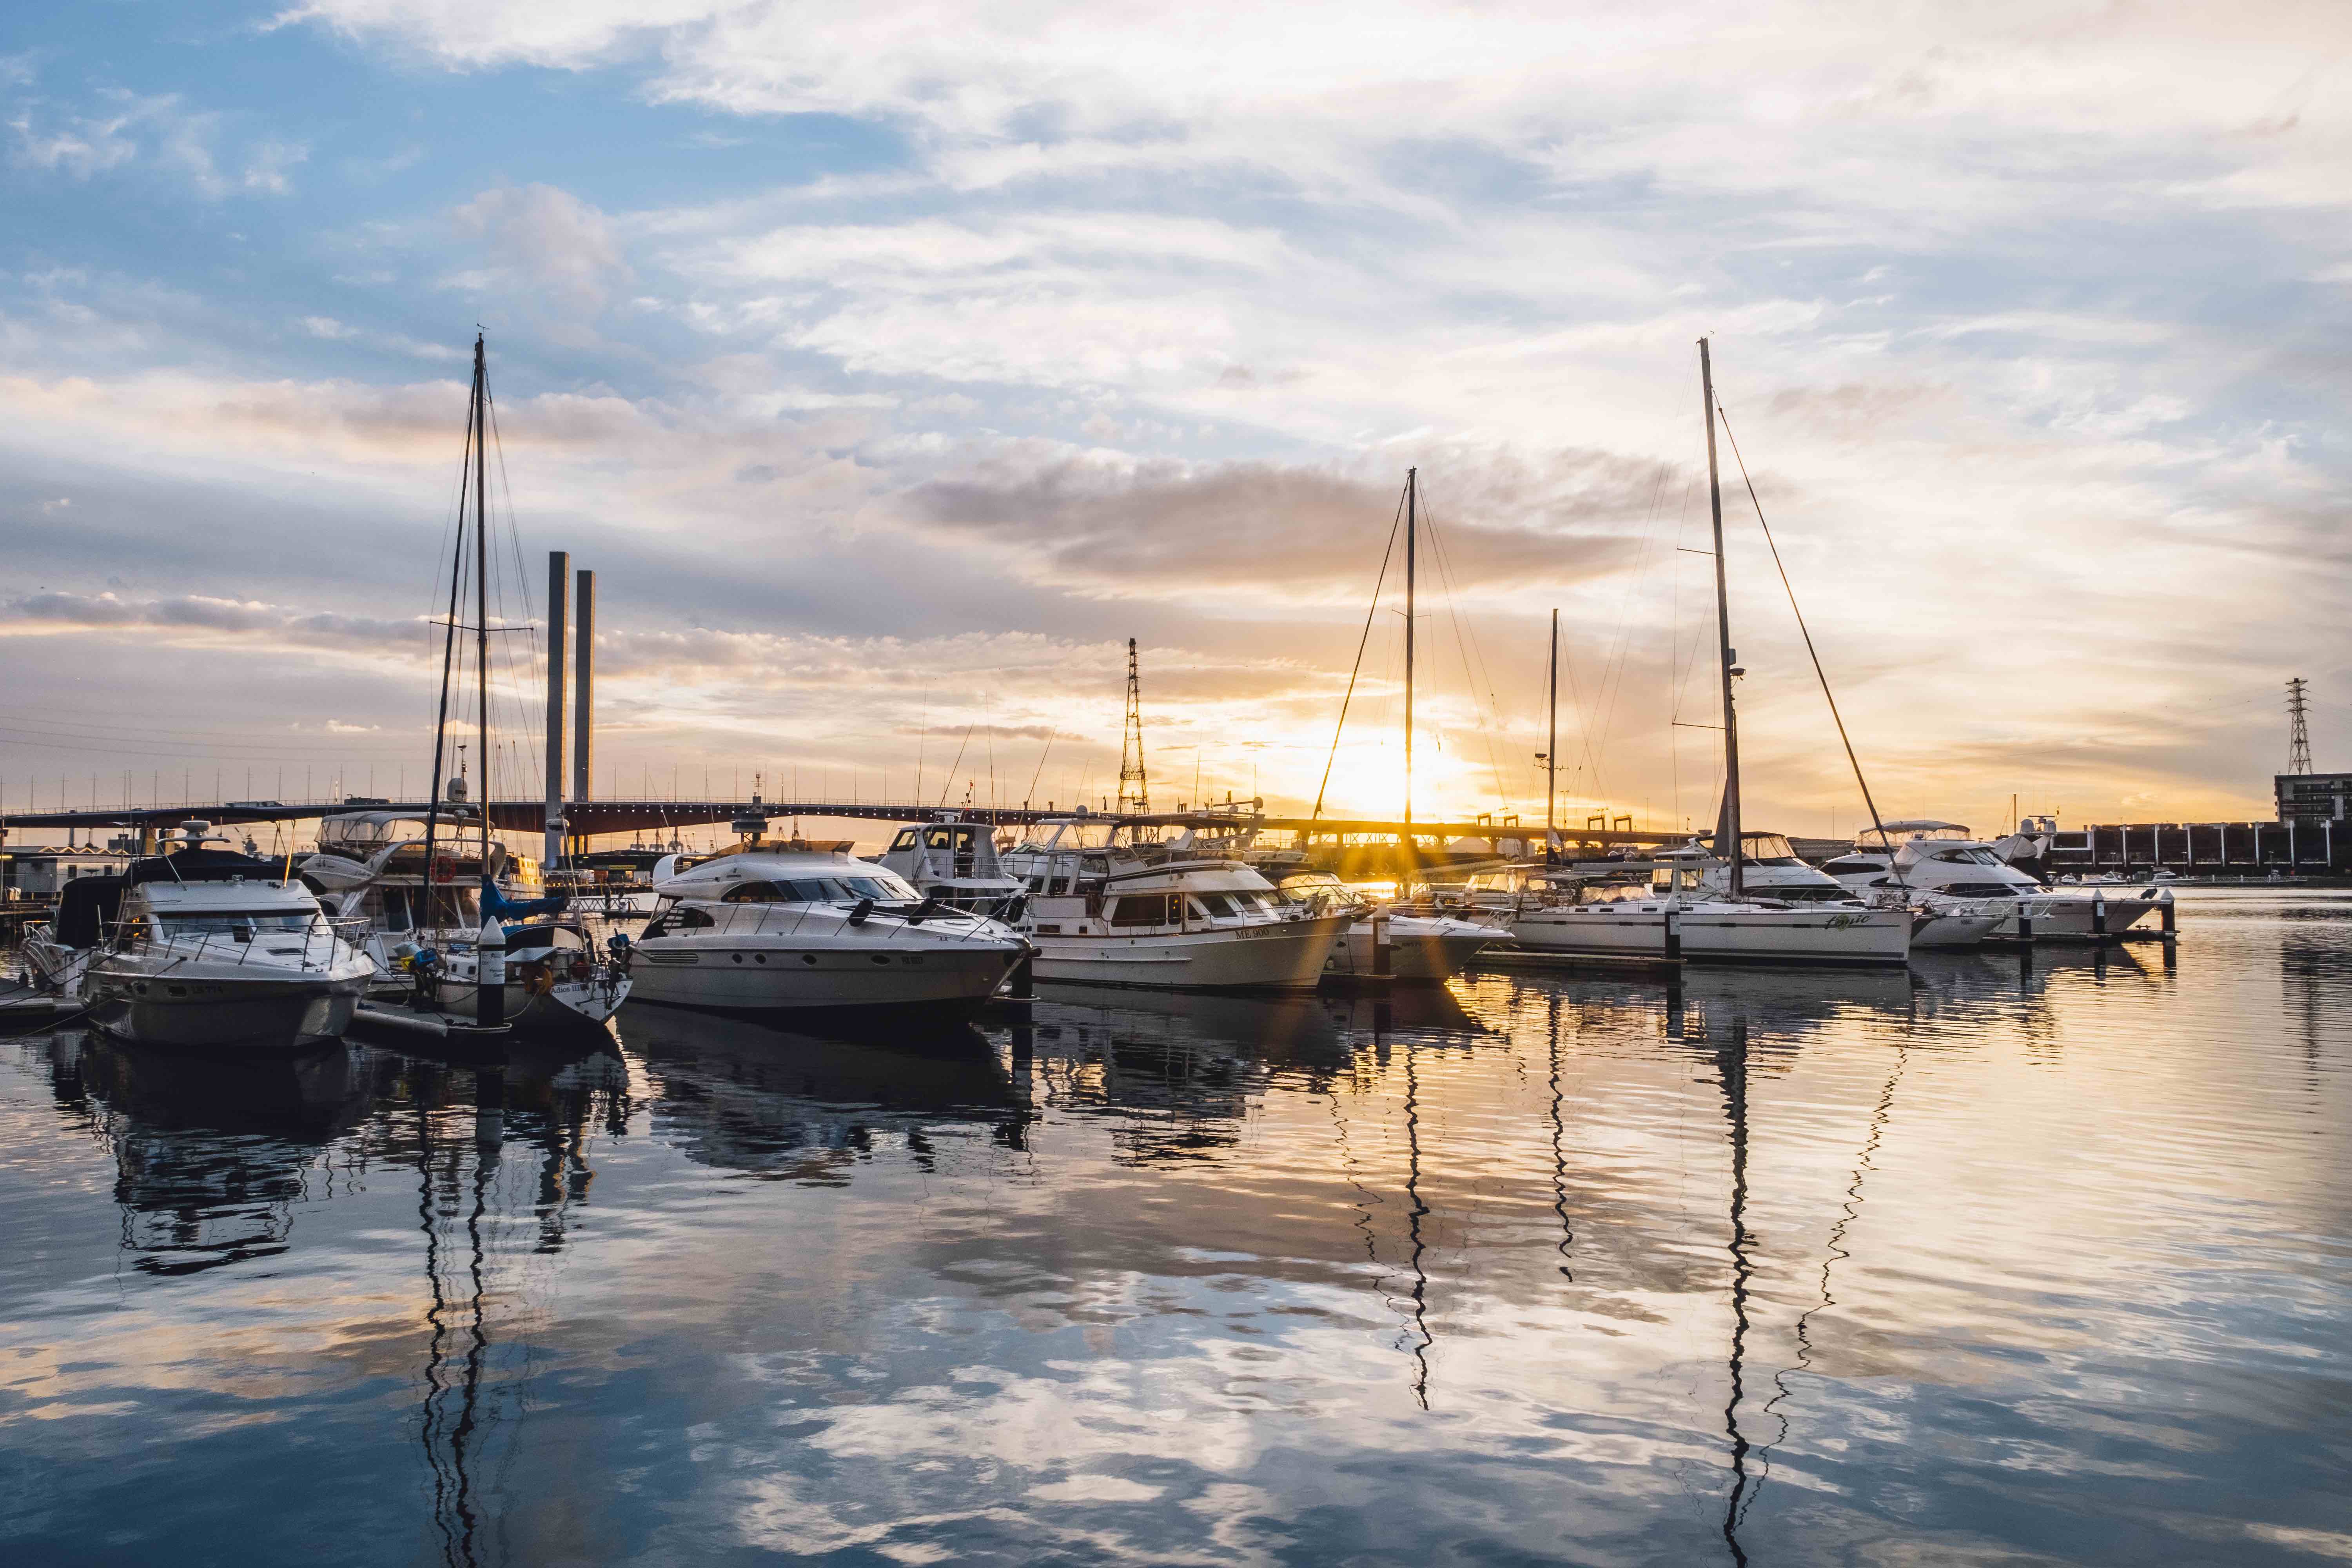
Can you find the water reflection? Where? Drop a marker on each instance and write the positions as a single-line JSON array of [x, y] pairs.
[[1999, 1259], [747, 1097]]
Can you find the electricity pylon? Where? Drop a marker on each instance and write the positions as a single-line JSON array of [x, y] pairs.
[[1134, 794], [2298, 742]]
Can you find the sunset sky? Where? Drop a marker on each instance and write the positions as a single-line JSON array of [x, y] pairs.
[[893, 365]]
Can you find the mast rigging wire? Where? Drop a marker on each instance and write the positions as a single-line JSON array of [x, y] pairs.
[[1819, 673], [1369, 614]]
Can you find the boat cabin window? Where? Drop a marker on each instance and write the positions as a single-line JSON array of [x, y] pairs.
[[905, 839], [1213, 906], [1141, 909], [819, 890], [1853, 866], [1617, 892], [232, 922], [1668, 879], [1966, 856]]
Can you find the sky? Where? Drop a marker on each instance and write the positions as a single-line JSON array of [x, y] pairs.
[[893, 366]]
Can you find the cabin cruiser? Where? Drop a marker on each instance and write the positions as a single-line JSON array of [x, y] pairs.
[[1106, 907], [767, 929], [1590, 911], [202, 948], [371, 866], [954, 863], [1945, 860], [1421, 947], [1771, 869]]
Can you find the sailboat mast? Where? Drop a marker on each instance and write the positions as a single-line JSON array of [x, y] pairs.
[[1728, 831], [1411, 503], [1551, 734], [482, 585], [429, 919]]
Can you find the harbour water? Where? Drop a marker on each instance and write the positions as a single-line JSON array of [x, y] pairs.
[[1996, 1261]]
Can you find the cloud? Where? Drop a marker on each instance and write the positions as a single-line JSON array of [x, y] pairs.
[[1149, 529], [160, 130], [549, 241]]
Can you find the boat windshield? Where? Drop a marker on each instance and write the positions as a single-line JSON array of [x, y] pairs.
[[882, 886], [1767, 849], [215, 922], [369, 833], [1973, 856]]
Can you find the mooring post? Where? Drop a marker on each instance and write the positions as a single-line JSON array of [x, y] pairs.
[[2098, 917], [1674, 936], [2166, 921], [2024, 920], [1020, 984], [1382, 969], [491, 974]]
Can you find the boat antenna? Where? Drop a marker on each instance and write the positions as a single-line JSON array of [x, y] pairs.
[[1819, 674], [1727, 831]]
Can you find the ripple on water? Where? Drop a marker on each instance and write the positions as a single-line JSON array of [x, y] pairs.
[[2025, 1260]]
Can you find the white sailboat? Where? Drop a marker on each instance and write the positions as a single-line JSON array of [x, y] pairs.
[[1614, 916], [1772, 871], [431, 897]]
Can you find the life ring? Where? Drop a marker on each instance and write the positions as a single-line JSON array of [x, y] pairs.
[[541, 981]]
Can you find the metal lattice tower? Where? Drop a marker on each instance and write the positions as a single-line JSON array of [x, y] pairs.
[[2298, 742], [1134, 794]]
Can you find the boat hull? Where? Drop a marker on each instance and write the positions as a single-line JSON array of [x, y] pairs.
[[1413, 954], [1287, 956], [2068, 918], [1593, 932], [754, 975], [199, 1012], [1857, 937], [569, 1006], [1955, 931]]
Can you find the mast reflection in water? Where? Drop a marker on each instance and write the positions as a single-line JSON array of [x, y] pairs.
[[1997, 1258]]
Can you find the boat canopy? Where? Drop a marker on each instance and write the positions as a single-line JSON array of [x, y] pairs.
[[1892, 833], [87, 906]]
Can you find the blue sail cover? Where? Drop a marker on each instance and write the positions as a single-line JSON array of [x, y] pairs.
[[497, 903]]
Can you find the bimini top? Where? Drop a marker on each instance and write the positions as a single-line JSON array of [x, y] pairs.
[[85, 906], [1893, 832]]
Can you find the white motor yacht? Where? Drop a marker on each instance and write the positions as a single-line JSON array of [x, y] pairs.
[[1421, 947], [768, 930], [1107, 910], [202, 948], [1945, 861]]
